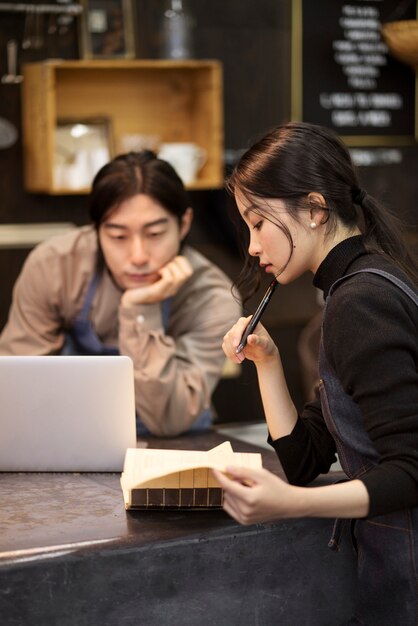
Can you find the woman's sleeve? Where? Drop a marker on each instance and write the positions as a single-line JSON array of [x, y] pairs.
[[309, 450]]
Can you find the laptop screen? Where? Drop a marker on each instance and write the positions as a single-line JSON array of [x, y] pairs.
[[66, 413]]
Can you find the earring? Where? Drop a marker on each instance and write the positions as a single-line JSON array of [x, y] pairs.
[[312, 225]]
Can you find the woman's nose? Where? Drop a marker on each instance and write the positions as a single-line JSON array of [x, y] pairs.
[[253, 247]]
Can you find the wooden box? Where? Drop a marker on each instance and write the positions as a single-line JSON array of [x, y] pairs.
[[175, 101]]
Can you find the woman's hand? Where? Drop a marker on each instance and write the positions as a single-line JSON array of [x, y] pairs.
[[260, 346], [256, 495], [172, 276]]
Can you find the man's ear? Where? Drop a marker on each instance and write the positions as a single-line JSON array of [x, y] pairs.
[[319, 209], [186, 222]]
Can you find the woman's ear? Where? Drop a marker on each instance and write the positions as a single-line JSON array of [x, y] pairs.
[[319, 210], [186, 222]]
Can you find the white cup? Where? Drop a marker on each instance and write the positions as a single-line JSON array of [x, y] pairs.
[[79, 172], [186, 158]]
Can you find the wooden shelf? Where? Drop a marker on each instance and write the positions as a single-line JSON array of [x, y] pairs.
[[29, 235], [177, 101]]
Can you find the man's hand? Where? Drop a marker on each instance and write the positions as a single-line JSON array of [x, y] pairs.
[[172, 277]]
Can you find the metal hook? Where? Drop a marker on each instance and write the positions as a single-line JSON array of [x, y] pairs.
[[11, 76]]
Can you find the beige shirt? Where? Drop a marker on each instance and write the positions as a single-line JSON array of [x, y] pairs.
[[176, 370]]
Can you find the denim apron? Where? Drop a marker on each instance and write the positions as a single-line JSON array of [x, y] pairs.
[[82, 339], [386, 545]]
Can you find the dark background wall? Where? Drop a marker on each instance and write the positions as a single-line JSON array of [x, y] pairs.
[[252, 39]]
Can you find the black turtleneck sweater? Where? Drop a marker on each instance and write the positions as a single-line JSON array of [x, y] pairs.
[[371, 341]]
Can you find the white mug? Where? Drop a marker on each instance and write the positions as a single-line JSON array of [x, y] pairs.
[[186, 158]]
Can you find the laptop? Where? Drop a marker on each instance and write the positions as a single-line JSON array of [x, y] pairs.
[[66, 413]]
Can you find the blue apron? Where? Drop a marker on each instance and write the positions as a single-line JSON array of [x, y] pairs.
[[82, 339], [386, 545]]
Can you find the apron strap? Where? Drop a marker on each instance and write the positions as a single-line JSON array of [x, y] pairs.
[[91, 290], [393, 279]]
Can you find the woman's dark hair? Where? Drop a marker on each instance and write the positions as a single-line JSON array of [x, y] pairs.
[[130, 174], [297, 158]]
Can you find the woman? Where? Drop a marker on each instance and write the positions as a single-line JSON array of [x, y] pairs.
[[128, 285], [298, 193]]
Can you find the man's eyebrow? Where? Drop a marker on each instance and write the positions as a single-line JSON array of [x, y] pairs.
[[162, 220], [115, 225], [118, 226]]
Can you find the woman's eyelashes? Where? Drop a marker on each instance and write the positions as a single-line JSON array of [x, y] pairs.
[[258, 225]]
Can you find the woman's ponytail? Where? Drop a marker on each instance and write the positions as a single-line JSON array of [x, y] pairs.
[[383, 233]]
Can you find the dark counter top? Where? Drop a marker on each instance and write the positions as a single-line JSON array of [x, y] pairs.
[[41, 510], [71, 554]]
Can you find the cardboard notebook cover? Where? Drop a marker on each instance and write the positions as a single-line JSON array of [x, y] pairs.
[[178, 479]]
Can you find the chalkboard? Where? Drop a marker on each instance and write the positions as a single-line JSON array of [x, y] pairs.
[[343, 75]]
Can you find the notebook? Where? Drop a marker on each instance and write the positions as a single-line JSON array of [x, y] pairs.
[[66, 413]]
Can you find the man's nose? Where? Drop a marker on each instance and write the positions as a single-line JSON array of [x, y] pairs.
[[139, 254]]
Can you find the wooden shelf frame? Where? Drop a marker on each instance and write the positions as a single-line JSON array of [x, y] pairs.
[[178, 101]]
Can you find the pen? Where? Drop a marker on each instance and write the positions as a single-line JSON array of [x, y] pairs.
[[257, 315]]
